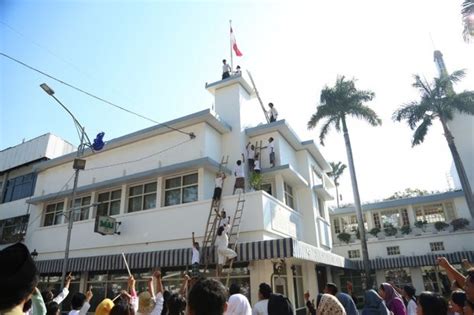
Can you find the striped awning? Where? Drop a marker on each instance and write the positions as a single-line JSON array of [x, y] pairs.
[[279, 248], [416, 261]]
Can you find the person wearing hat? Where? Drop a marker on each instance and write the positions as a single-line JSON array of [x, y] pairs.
[[104, 307], [18, 278]]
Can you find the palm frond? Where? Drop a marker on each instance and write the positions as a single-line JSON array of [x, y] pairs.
[[412, 112], [422, 85], [322, 111], [463, 102], [325, 129], [366, 113], [421, 131]]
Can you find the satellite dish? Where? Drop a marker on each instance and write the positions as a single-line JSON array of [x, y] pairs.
[[98, 142]]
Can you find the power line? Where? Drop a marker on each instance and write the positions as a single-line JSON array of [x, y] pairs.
[[139, 159], [190, 134]]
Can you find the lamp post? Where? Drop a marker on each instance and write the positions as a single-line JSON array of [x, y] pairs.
[[79, 164]]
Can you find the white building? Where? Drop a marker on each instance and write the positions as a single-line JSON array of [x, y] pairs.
[[462, 128], [17, 182], [401, 254], [158, 183]]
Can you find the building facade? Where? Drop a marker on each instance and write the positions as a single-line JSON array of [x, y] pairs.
[[18, 180], [158, 183], [404, 238]]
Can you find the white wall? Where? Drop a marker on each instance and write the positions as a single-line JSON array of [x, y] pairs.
[[462, 128]]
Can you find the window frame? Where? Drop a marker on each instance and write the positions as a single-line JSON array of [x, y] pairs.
[[431, 218], [17, 222], [289, 195], [84, 208], [55, 212], [141, 195], [393, 250], [437, 246], [181, 188], [351, 252], [109, 201], [20, 186]]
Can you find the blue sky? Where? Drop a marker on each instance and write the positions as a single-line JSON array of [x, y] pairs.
[[154, 57]]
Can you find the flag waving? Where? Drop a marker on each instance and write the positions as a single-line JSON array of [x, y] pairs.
[[234, 44]]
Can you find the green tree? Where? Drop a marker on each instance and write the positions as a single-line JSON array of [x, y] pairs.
[[337, 170], [438, 100], [408, 193], [467, 12], [336, 105]]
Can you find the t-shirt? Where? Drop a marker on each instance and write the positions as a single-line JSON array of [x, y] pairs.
[[260, 308], [222, 241], [271, 146], [239, 171], [256, 165], [250, 154], [411, 307], [225, 68], [195, 258], [238, 305], [219, 181]]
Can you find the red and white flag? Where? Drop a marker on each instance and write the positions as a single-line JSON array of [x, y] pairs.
[[234, 44]]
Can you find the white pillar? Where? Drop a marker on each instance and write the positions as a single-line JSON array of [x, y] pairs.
[[417, 279]]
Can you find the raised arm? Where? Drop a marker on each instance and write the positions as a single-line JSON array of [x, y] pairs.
[[64, 293], [451, 271], [37, 302], [87, 305], [159, 295], [194, 241], [184, 285]]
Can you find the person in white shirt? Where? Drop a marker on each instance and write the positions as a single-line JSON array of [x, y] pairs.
[[219, 182], [261, 307], [80, 303], [224, 253], [195, 258], [237, 71], [225, 69], [256, 164], [250, 156], [238, 303], [271, 147], [272, 113], [239, 174], [408, 294], [224, 219]]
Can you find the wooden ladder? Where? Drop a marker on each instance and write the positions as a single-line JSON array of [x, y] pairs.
[[235, 229]]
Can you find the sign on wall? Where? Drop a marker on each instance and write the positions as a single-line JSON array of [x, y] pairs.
[[105, 225]]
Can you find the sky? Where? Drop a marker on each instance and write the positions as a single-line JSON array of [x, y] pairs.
[[154, 57]]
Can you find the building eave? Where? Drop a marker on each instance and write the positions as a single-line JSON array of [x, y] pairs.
[[214, 86], [323, 192], [206, 116], [289, 173], [205, 162]]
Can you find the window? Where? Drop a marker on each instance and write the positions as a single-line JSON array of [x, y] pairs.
[[377, 220], [267, 187], [436, 280], [13, 229], [181, 189], [437, 246], [81, 208], [431, 213], [349, 223], [109, 203], [400, 276], [289, 197], [337, 227], [298, 285], [142, 197], [393, 250], [54, 214], [390, 218], [19, 187], [405, 220], [354, 253], [321, 208]]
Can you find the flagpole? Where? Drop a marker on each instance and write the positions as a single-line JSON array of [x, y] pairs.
[[230, 43]]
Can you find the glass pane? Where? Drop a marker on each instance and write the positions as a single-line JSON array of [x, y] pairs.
[[150, 187], [51, 208], [134, 204], [60, 206], [103, 197], [115, 207], [172, 197], [136, 190], [102, 209], [190, 194], [48, 219], [173, 182], [85, 214], [58, 219], [150, 201], [190, 179], [86, 200], [116, 194]]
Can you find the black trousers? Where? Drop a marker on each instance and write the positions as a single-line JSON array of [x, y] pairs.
[[217, 193], [272, 119], [225, 75]]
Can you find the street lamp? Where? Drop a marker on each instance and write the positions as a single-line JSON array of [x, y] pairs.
[[79, 164]]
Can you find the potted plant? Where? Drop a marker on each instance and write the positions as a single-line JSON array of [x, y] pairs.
[[406, 229], [390, 230], [344, 237], [441, 226], [421, 224], [374, 231], [459, 223], [256, 181]]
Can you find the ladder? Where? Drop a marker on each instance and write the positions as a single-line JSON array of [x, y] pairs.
[[235, 229], [258, 97], [213, 221]]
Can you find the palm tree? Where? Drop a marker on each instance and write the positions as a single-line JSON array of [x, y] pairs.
[[336, 105], [467, 12], [337, 170], [438, 100]]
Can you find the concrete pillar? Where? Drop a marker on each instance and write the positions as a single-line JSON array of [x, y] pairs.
[[310, 282], [260, 271], [417, 279], [160, 190], [279, 189], [123, 200], [380, 276]]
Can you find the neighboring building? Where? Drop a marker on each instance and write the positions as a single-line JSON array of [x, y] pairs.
[[158, 183], [401, 254], [18, 179]]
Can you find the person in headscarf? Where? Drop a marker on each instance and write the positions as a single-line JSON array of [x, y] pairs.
[[348, 303], [392, 299], [330, 305], [374, 304]]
